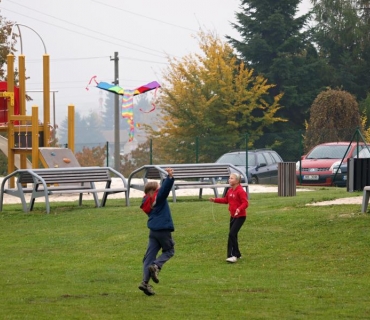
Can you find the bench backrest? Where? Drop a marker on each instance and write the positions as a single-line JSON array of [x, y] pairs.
[[191, 171], [66, 176]]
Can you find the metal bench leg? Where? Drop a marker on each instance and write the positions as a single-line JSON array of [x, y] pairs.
[[365, 200], [96, 199], [1, 201], [127, 199], [104, 199], [200, 193], [215, 191], [106, 194], [24, 202], [173, 194]]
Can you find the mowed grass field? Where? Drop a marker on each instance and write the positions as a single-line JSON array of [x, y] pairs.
[[299, 261]]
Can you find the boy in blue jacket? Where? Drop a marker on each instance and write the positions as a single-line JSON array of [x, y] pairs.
[[161, 226]]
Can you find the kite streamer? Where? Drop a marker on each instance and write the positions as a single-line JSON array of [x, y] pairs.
[[128, 111]]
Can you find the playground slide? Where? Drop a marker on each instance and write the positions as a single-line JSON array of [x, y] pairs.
[[4, 148]]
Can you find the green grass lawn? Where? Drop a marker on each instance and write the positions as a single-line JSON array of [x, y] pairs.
[[299, 262]]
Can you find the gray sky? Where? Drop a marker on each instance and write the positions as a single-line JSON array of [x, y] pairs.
[[82, 35]]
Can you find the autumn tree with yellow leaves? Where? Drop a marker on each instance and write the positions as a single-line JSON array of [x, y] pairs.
[[214, 97]]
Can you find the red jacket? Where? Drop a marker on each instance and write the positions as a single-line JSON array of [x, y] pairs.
[[237, 199], [147, 202]]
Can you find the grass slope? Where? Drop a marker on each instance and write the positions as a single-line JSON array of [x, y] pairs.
[[299, 262]]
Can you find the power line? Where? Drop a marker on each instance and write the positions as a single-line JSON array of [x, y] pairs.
[[83, 82], [82, 27], [146, 17], [91, 58], [86, 35]]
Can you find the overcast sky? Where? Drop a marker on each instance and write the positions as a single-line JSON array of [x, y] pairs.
[[81, 37]]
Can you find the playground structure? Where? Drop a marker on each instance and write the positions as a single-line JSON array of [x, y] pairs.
[[26, 135]]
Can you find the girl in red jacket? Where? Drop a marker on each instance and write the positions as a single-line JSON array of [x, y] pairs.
[[236, 197]]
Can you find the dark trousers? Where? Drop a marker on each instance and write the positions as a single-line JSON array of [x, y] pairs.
[[158, 240], [232, 243]]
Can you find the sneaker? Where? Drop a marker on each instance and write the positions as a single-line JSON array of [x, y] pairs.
[[232, 259], [154, 270], [146, 288]]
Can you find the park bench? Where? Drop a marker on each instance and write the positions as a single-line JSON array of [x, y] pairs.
[[47, 182], [365, 199], [187, 176]]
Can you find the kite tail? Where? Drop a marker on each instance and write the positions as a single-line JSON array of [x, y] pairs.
[[93, 78], [152, 103]]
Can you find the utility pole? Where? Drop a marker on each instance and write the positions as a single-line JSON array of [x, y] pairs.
[[117, 161]]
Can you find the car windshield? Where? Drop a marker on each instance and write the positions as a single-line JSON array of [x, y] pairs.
[[237, 159], [364, 153], [328, 152]]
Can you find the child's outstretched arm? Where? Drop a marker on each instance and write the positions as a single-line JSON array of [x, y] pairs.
[[219, 200], [166, 186]]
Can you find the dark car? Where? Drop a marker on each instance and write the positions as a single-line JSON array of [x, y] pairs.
[[339, 174], [262, 164], [315, 168]]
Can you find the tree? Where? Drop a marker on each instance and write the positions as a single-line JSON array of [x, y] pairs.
[[342, 36], [5, 49], [108, 114], [90, 157], [334, 116], [212, 96], [87, 131], [136, 159], [276, 45]]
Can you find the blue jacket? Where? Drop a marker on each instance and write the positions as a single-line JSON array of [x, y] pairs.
[[160, 216]]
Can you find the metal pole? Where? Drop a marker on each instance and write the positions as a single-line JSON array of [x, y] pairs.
[[246, 154], [107, 152], [117, 163], [196, 149]]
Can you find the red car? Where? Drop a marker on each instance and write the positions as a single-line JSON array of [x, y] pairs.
[[314, 168]]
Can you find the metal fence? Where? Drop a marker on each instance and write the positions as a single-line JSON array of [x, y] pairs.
[[199, 149], [289, 145]]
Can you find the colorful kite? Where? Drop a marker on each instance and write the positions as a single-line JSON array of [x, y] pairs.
[[119, 90], [127, 99]]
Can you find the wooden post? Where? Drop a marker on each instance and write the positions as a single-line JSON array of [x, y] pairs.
[[46, 89], [35, 137], [71, 127]]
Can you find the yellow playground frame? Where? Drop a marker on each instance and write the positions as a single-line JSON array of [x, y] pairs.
[[22, 122]]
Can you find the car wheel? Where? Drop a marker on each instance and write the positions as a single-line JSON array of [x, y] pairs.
[[254, 180]]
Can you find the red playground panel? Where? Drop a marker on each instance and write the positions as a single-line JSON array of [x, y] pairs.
[[3, 103]]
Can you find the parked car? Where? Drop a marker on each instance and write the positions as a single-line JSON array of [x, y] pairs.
[[339, 174], [315, 168], [262, 165]]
